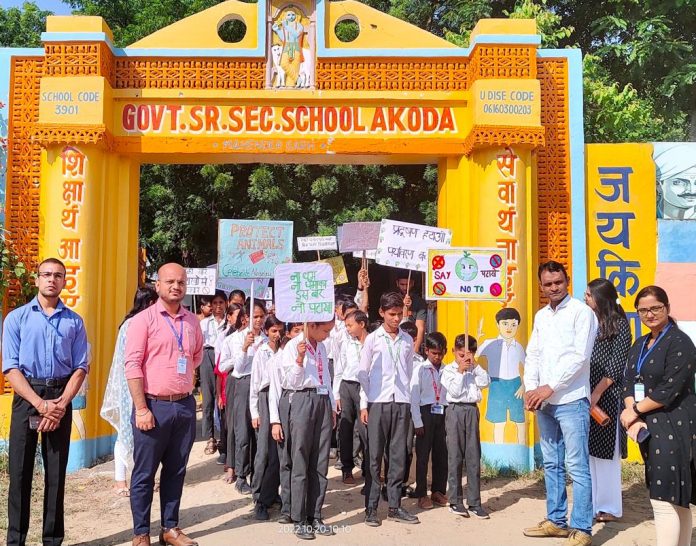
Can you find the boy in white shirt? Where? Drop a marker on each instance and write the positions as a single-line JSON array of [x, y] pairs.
[[428, 407], [312, 417], [386, 367], [463, 380]]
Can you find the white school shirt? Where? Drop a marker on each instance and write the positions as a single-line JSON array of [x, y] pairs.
[[210, 327], [464, 387], [307, 376], [348, 364], [233, 359], [511, 356], [260, 377], [386, 368], [422, 390], [275, 390], [559, 350], [337, 336]]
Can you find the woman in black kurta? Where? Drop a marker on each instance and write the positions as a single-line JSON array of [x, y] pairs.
[[662, 364], [607, 367]]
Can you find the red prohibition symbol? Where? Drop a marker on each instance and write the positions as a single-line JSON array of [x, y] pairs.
[[438, 262], [496, 261], [439, 288]]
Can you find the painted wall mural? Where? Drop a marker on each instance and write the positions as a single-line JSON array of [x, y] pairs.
[[292, 47], [675, 164]]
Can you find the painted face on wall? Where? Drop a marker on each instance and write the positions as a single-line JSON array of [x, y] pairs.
[[680, 190], [290, 16], [508, 328]]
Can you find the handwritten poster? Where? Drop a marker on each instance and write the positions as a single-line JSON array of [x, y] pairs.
[[467, 274], [304, 292], [338, 267], [200, 281], [317, 243], [358, 236], [253, 248], [406, 245]]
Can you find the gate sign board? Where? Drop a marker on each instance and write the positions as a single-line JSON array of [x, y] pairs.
[[358, 236], [406, 245], [200, 281], [467, 274], [317, 243], [304, 292], [253, 248]]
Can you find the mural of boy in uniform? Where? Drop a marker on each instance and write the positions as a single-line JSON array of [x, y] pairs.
[[505, 357]]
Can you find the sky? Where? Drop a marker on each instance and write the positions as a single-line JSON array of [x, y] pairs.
[[56, 6]]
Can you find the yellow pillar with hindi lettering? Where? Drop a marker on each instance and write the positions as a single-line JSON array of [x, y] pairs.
[[89, 220]]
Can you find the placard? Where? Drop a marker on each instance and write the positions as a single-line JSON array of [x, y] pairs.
[[253, 248], [467, 274], [406, 245], [338, 266], [304, 292], [317, 243], [358, 236], [369, 254], [200, 281]]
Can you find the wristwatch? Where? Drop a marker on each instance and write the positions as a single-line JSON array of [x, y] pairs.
[[636, 410]]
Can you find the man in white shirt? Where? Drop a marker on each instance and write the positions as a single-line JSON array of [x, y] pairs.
[[210, 326], [557, 384], [505, 357], [386, 367]]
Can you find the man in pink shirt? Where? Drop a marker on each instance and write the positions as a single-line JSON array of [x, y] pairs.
[[164, 345]]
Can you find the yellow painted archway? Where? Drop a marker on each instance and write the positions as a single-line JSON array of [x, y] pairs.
[[502, 119]]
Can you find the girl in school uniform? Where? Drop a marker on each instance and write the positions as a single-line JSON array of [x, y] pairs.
[[266, 480]]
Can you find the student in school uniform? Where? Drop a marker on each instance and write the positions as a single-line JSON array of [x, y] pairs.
[[386, 367], [266, 480], [463, 379], [279, 410], [407, 491], [237, 354], [347, 391], [210, 326], [428, 408], [312, 417]]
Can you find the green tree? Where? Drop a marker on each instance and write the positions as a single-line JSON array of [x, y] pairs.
[[22, 27]]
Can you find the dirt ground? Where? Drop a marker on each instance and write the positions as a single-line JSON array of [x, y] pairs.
[[214, 514]]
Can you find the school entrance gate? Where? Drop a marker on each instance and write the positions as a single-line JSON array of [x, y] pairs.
[[502, 119]]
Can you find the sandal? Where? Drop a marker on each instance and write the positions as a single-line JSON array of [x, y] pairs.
[[605, 517], [210, 447], [122, 491]]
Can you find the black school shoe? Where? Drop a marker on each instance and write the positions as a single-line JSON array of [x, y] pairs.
[[242, 486], [459, 509], [402, 516], [371, 519], [320, 528], [261, 512], [304, 530], [284, 519], [479, 512]]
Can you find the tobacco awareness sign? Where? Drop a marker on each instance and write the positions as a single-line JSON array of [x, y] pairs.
[[467, 274]]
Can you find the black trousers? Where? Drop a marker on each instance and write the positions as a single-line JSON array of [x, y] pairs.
[[266, 463], [387, 428], [207, 375], [169, 443], [244, 434], [434, 440], [284, 453], [310, 429], [54, 453], [463, 451], [349, 392]]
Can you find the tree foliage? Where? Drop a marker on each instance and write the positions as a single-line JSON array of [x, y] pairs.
[[22, 27]]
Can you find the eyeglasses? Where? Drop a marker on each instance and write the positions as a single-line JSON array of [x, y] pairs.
[[49, 274], [655, 310]]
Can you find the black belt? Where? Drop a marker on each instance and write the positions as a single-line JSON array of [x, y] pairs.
[[308, 389], [350, 382], [265, 389], [463, 404], [48, 381]]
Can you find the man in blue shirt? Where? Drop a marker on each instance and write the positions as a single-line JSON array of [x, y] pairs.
[[44, 358]]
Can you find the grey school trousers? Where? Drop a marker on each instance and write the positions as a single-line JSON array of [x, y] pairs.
[[387, 427], [349, 391], [310, 430], [433, 442], [463, 448], [244, 436], [284, 454]]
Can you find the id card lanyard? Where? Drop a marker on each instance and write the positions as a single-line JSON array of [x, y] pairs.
[[181, 362], [639, 387], [437, 391], [317, 358]]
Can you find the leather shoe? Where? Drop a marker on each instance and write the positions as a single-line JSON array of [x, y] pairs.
[[402, 516], [141, 540], [175, 537], [424, 503]]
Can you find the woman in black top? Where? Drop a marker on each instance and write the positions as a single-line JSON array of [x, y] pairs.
[[659, 392], [607, 366]]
